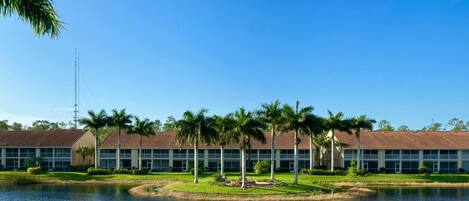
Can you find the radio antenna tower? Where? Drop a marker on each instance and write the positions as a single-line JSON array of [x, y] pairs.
[[77, 89]]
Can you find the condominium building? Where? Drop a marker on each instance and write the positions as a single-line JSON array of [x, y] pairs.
[[404, 152], [161, 153], [56, 149]]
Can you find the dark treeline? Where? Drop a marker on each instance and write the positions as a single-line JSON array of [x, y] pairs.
[[454, 124]]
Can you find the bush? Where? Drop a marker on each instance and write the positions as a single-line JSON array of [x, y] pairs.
[[217, 178], [323, 172], [80, 168], [262, 167], [122, 171], [32, 162], [382, 170], [352, 170], [304, 171], [34, 170], [98, 171], [143, 171], [423, 169], [200, 170]]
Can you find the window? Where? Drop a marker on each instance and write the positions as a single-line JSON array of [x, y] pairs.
[[370, 154], [392, 166], [161, 153], [146, 153], [62, 152], [107, 163], [232, 153], [264, 153], [392, 154], [430, 154], [448, 154], [107, 153], [231, 166], [179, 153], [125, 153], [46, 152], [12, 152], [350, 154], [161, 165], [304, 154], [27, 152], [200, 151], [410, 155], [410, 166], [465, 165], [286, 153], [465, 155], [214, 153], [62, 164], [448, 167]]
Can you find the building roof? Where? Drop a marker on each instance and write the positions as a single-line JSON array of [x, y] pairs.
[[167, 140], [406, 140], [56, 138]]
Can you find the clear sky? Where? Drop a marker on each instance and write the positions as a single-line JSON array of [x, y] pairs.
[[404, 61]]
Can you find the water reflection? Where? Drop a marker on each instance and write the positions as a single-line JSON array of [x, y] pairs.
[[419, 194]]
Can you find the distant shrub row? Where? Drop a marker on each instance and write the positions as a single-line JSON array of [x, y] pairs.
[[100, 171]]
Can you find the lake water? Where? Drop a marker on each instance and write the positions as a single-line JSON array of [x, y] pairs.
[[49, 192], [419, 194]]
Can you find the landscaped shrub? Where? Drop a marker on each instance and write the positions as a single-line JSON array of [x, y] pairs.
[[200, 170], [423, 169], [217, 178], [262, 167], [143, 171], [98, 171], [32, 162], [304, 171], [34, 170], [122, 171], [352, 169], [362, 172], [382, 170], [80, 168], [327, 172]]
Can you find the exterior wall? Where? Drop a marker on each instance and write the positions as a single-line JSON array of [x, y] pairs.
[[86, 140], [58, 158]]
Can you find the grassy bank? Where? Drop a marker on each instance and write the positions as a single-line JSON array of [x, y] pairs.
[[6, 176]]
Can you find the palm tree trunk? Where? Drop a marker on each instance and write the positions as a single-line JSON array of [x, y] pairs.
[[222, 160], [243, 168], [118, 157], [332, 150], [311, 153], [358, 154], [96, 151], [140, 155], [272, 154], [196, 162], [295, 159]]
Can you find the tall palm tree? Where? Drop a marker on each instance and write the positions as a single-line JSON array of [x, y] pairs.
[[194, 129], [143, 128], [95, 121], [39, 13], [247, 128], [299, 121], [336, 122], [357, 124], [315, 125], [121, 120], [271, 113], [224, 126]]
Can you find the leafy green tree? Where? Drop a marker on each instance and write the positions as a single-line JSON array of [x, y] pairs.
[[157, 125], [4, 125], [403, 128], [39, 13], [85, 151], [336, 122], [121, 120], [299, 120], [195, 128], [41, 125], [322, 143], [271, 113], [143, 128], [170, 124], [96, 122], [359, 123], [247, 128], [224, 126], [385, 125], [434, 126], [16, 126], [456, 124]]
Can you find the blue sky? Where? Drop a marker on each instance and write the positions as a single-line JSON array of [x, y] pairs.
[[404, 61]]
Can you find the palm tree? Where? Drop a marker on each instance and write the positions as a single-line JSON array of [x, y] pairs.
[[272, 114], [336, 122], [300, 121], [195, 129], [85, 151], [121, 120], [143, 128], [322, 142], [224, 126], [246, 128], [96, 122], [359, 123], [39, 13], [315, 126]]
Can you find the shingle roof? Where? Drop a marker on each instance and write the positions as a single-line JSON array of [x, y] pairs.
[[58, 138], [167, 140], [406, 140]]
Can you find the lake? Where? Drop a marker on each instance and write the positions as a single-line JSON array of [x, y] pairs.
[[89, 192]]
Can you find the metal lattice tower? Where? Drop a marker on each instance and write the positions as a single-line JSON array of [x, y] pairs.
[[77, 89]]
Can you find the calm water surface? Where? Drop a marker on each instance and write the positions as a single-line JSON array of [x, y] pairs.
[[419, 194], [67, 193], [119, 193]]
